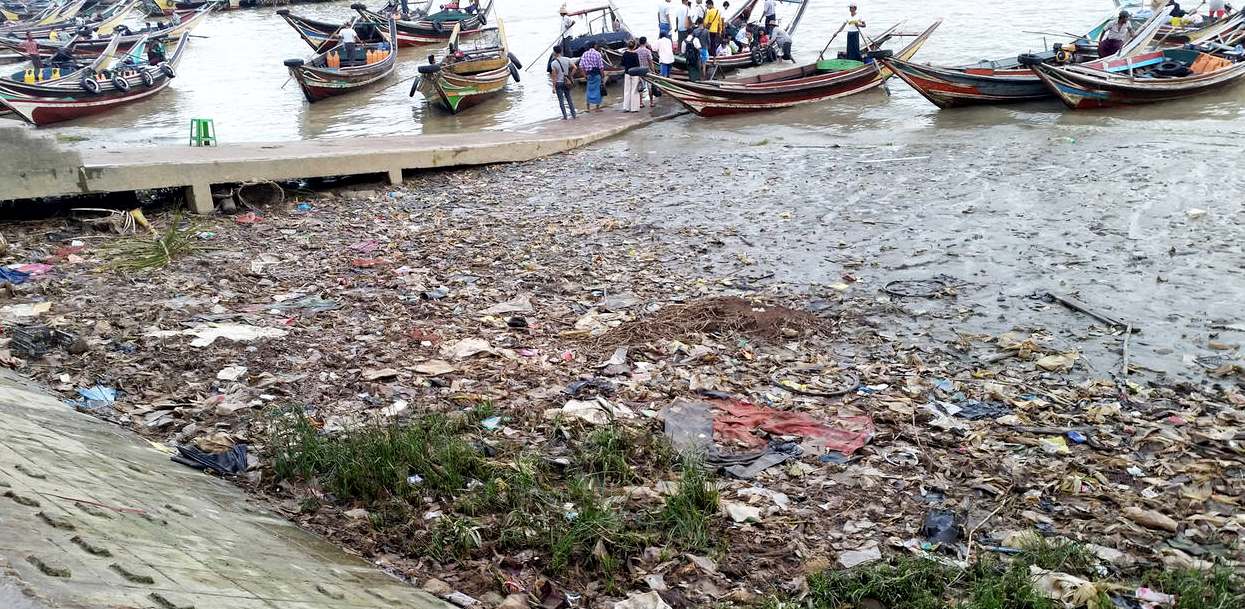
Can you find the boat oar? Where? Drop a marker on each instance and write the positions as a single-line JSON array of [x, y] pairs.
[[822, 55]]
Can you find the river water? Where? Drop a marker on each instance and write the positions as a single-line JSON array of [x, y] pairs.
[[234, 75]]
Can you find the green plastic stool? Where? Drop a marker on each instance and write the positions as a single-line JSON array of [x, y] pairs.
[[202, 132]]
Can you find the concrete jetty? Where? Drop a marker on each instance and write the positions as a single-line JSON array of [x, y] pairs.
[[198, 169], [94, 516]]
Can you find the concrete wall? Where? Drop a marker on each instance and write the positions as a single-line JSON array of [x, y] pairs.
[[34, 165]]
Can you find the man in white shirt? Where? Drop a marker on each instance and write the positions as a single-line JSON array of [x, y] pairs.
[[681, 22], [855, 25], [349, 39], [665, 54], [663, 17], [698, 11], [769, 15]]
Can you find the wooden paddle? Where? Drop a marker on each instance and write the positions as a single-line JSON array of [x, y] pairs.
[[822, 55]]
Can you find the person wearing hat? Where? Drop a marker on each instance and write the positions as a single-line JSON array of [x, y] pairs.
[[855, 25], [1115, 35]]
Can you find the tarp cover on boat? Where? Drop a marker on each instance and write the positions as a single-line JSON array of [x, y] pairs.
[[610, 40]]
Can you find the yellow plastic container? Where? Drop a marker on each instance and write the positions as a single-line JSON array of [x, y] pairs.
[[29, 77]]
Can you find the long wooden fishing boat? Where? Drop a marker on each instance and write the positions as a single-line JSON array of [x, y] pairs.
[[338, 71], [101, 22], [57, 14], [1156, 76], [32, 82], [806, 84], [470, 73], [320, 35], [89, 49], [1007, 80], [432, 27], [118, 87]]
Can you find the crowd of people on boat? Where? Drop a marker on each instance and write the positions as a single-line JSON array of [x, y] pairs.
[[694, 33]]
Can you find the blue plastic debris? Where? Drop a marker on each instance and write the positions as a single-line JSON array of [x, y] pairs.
[[491, 423], [303, 207], [13, 276], [98, 397], [1076, 437], [944, 385]]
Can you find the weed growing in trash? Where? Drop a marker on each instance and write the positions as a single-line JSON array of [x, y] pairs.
[[688, 512], [142, 254], [595, 533], [454, 536], [1218, 588], [376, 460]]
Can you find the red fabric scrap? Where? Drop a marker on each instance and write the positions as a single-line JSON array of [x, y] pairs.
[[736, 420]]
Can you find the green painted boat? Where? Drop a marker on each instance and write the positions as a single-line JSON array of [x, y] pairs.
[[470, 72]]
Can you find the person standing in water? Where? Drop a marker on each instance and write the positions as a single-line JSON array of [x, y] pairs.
[[855, 27]]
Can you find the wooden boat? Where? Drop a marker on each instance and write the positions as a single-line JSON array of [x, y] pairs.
[[101, 22], [806, 84], [1006, 81], [31, 82], [470, 73], [155, 8], [319, 35], [429, 27], [55, 104], [89, 49], [329, 74], [1156, 76]]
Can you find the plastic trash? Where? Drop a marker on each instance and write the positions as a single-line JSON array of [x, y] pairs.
[[232, 461]]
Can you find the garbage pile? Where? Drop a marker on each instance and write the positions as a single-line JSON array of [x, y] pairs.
[[833, 443]]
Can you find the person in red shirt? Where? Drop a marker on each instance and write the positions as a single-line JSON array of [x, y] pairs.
[[31, 49]]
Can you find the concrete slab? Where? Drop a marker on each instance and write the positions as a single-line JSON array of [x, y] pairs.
[[197, 169], [93, 516]]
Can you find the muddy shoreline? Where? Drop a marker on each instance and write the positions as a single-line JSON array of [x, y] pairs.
[[493, 291]]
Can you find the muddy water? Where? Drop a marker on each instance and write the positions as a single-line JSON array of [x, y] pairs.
[[235, 75]]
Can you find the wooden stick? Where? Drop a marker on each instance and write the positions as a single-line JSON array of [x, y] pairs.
[[822, 55]]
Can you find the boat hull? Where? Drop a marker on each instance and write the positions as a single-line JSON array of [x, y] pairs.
[[1094, 89], [948, 87], [784, 89], [454, 93]]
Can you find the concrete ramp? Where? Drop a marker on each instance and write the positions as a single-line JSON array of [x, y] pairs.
[[92, 516]]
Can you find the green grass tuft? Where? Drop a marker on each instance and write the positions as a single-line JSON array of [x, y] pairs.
[[1218, 588], [593, 534], [687, 514], [139, 255], [604, 455], [374, 462]]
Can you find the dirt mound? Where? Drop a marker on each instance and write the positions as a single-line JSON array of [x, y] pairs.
[[722, 316]]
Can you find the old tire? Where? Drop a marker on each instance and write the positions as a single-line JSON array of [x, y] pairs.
[[90, 85], [419, 80], [283, 11], [121, 83], [168, 69], [1029, 59], [429, 68], [756, 56], [514, 72], [148, 79], [293, 63], [515, 61]]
